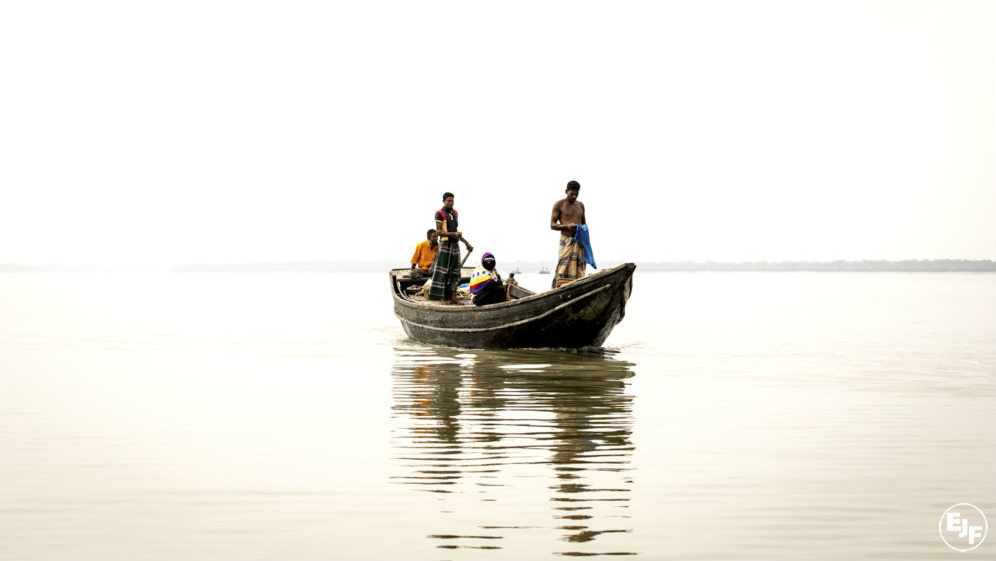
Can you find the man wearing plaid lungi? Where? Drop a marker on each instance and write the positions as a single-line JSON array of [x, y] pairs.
[[446, 267], [568, 214]]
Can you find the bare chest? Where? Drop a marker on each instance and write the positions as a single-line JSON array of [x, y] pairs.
[[571, 213]]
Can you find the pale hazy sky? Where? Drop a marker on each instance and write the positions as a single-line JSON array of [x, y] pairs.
[[177, 132]]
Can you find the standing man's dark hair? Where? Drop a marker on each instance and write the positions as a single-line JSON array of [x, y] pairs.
[[573, 185], [447, 194]]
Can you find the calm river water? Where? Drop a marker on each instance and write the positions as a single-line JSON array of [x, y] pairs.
[[287, 417]]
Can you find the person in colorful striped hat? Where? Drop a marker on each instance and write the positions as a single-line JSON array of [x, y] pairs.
[[486, 284]]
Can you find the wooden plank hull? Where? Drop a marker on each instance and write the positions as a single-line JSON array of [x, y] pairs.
[[579, 314]]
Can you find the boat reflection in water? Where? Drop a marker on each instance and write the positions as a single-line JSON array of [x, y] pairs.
[[523, 449]]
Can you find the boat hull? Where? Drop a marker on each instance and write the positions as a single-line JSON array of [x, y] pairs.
[[580, 314]]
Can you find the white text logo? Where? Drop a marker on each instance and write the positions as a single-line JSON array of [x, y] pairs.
[[963, 527]]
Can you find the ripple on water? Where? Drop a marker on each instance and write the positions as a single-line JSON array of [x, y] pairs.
[[536, 435]]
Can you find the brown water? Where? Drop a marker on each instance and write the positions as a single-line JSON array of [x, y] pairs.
[[731, 416]]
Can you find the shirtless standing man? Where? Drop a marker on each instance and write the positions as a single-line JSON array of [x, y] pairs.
[[568, 213]]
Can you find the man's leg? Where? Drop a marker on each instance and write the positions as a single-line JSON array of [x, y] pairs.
[[566, 270], [493, 294], [453, 285], [498, 293]]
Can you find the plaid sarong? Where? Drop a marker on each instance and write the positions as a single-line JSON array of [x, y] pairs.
[[445, 270], [570, 262]]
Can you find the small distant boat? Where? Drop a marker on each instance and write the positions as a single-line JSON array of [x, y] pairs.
[[578, 314], [516, 271], [544, 271]]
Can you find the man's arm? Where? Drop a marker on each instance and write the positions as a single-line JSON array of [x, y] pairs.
[[440, 228], [555, 218]]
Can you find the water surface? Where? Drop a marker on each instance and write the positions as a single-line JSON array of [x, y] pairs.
[[286, 416]]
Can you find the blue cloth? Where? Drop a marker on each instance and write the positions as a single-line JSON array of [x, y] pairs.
[[581, 236]]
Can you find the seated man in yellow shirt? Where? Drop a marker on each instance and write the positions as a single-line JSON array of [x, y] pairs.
[[425, 252]]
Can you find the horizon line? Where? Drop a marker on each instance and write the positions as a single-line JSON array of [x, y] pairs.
[[361, 265]]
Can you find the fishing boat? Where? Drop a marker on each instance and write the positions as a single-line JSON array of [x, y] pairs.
[[578, 314], [544, 271]]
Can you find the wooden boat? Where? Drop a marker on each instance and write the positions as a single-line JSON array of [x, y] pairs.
[[579, 314]]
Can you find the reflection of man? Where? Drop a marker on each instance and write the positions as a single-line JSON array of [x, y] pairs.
[[425, 252], [568, 213], [580, 417], [485, 283]]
